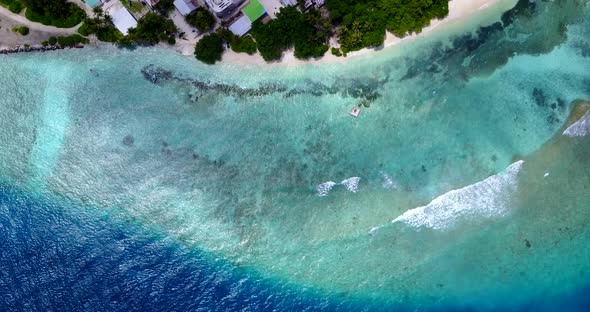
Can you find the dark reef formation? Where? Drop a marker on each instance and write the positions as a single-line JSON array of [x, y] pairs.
[[362, 89], [491, 47]]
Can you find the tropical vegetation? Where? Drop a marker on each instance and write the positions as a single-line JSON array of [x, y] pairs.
[[244, 44], [201, 19], [164, 7], [209, 49], [307, 33], [58, 13], [14, 6], [21, 30], [102, 26], [151, 29], [65, 41], [363, 23], [71, 41]]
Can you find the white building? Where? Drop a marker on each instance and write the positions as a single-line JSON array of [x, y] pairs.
[[241, 26], [185, 7], [123, 20], [223, 8]]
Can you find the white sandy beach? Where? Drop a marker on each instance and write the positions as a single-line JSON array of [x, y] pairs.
[[460, 12]]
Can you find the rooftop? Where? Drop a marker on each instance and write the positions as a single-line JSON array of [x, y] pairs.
[[184, 7], [241, 26], [218, 6], [123, 20], [254, 10]]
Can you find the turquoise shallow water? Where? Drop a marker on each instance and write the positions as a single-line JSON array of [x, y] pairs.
[[233, 160]]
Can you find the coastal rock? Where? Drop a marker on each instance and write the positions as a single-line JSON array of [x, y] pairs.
[[30, 49]]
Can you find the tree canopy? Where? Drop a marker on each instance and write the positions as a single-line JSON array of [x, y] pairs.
[[14, 6], [363, 22], [209, 49], [59, 13], [164, 7], [102, 26], [308, 33], [244, 44], [151, 29], [201, 19]]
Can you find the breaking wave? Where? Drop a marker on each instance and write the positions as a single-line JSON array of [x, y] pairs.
[[488, 198], [388, 182], [580, 128], [325, 188], [351, 185]]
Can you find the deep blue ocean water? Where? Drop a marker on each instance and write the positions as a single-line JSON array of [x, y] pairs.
[[54, 260]]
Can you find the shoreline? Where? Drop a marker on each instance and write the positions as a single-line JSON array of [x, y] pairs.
[[459, 11]]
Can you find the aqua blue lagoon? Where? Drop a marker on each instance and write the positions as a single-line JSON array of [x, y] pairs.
[[142, 180]]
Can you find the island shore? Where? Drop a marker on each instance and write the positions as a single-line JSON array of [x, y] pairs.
[[460, 12]]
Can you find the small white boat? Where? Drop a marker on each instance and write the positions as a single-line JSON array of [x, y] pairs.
[[355, 111]]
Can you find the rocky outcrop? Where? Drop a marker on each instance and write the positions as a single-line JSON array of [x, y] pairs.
[[34, 49]]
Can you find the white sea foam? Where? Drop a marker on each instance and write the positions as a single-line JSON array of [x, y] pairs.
[[487, 198], [374, 230], [324, 188], [580, 128], [388, 182], [351, 184]]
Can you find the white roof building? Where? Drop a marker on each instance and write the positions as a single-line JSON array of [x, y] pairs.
[[123, 20], [185, 7], [241, 26], [222, 8]]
